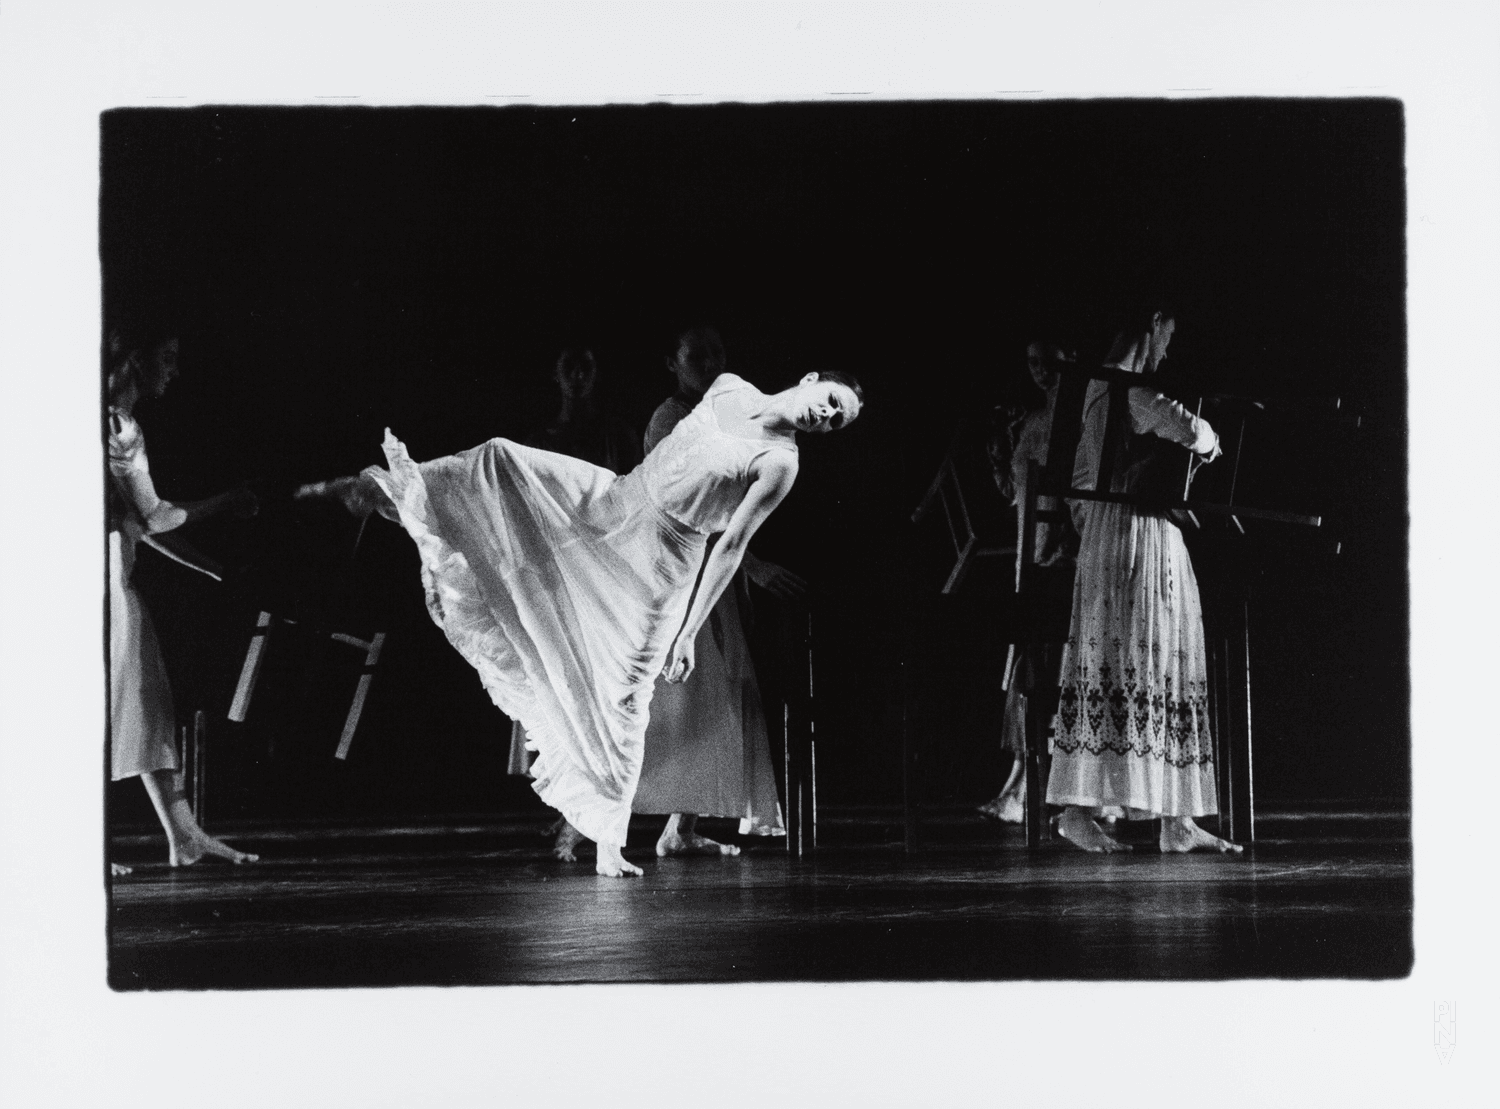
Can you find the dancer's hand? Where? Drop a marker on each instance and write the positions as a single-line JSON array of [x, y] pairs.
[[680, 659], [1196, 460], [775, 580]]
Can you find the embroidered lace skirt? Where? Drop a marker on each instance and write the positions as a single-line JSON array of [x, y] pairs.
[[563, 585], [1132, 725]]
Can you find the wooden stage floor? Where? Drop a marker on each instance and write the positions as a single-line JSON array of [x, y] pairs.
[[1319, 896]]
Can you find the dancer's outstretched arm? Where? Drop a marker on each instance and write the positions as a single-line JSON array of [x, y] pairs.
[[774, 475], [240, 501]]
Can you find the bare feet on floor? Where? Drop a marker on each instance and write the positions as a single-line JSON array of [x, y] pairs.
[[568, 837], [1010, 806], [200, 846], [1007, 808], [612, 864], [674, 842], [680, 838], [1076, 826], [1180, 834]]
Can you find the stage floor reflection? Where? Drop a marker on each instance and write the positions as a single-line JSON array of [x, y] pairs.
[[486, 905]]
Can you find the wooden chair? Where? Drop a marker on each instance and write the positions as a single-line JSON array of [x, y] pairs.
[[946, 489], [328, 625]]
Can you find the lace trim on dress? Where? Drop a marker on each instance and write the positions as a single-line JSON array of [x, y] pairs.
[[1127, 716]]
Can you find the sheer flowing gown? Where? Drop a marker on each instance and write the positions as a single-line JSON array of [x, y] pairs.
[[605, 441], [564, 585]]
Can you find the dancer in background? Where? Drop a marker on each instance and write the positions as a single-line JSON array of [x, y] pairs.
[[581, 429], [1020, 436], [571, 588], [1132, 726], [142, 721], [707, 751]]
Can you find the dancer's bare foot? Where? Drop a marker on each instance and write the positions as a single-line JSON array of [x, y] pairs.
[[612, 864], [1075, 826], [1007, 808], [118, 870], [673, 842], [568, 837], [680, 838], [201, 845], [1181, 834]]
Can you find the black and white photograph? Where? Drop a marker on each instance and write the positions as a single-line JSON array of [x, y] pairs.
[[636, 492], [855, 567]]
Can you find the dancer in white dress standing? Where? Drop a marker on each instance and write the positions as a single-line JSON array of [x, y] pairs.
[[707, 751], [142, 718], [567, 587], [1132, 724]]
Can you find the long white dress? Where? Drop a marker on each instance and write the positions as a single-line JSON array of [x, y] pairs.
[[707, 751], [142, 718], [605, 441], [1132, 725], [564, 585]]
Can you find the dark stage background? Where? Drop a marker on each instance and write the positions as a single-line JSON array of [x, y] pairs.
[[332, 272]]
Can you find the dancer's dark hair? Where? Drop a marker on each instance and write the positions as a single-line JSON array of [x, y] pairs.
[[846, 379]]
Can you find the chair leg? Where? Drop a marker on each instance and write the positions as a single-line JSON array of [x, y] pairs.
[[1035, 789], [372, 659], [250, 672], [200, 769]]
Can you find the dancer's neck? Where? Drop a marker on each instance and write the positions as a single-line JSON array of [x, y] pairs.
[[773, 418]]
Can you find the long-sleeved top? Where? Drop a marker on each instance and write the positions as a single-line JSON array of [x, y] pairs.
[[137, 506], [1151, 413]]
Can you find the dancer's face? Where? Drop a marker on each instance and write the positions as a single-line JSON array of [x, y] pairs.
[[576, 378], [819, 406], [1039, 368], [694, 375]]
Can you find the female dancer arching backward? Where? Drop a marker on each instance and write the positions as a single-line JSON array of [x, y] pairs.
[[568, 587]]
